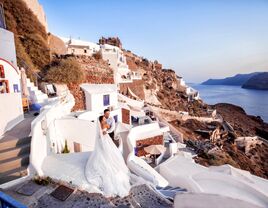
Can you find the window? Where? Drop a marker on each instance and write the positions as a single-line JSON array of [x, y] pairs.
[[85, 51], [116, 118], [2, 72], [16, 88], [4, 86], [73, 50], [106, 100]]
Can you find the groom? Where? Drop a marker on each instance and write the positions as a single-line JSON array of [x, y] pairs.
[[110, 121]]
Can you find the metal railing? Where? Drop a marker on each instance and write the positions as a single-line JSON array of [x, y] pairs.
[[7, 201]]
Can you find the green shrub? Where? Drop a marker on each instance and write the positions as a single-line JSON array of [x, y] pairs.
[[65, 150], [65, 71], [44, 181]]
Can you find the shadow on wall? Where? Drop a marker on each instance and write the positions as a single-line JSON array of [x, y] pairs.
[[11, 124]]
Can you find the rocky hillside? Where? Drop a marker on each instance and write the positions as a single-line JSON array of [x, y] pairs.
[[160, 87], [258, 82], [56, 45], [97, 71], [31, 39], [115, 41], [243, 124]]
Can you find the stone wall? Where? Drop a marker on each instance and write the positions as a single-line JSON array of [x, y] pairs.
[[125, 116], [115, 41], [142, 143], [38, 10], [97, 71], [136, 87]]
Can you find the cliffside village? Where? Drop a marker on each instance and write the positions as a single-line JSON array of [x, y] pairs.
[[40, 121]]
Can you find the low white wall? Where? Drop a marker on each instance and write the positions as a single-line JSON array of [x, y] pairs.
[[42, 143], [77, 130], [131, 102], [138, 165], [11, 112], [142, 132]]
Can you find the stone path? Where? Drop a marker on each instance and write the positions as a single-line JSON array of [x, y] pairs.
[[140, 196], [21, 130]]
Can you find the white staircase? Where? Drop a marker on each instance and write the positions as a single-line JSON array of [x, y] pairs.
[[36, 95]]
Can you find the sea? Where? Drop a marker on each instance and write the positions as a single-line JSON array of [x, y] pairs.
[[254, 102]]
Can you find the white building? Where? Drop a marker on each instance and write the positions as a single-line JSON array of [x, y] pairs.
[[100, 97], [11, 112], [117, 62], [79, 47], [192, 93], [181, 82]]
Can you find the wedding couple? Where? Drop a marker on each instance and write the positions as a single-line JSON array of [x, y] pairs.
[[106, 167]]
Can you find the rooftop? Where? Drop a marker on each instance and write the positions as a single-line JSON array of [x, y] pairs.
[[77, 42], [99, 88]]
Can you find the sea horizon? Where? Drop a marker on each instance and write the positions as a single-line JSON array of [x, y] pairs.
[[252, 101]]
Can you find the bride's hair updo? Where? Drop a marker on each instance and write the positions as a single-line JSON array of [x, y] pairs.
[[101, 118]]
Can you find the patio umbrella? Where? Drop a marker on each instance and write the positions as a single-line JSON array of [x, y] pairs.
[[155, 149], [24, 88]]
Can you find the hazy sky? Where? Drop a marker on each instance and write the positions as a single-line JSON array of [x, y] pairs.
[[199, 39]]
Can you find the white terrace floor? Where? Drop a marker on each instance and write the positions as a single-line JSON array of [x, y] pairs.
[[70, 168]]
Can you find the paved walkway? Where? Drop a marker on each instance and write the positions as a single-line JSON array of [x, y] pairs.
[[21, 130], [37, 196]]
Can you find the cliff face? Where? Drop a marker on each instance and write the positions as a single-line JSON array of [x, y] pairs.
[[258, 82], [30, 35], [243, 124], [97, 71], [159, 87], [56, 45], [38, 10]]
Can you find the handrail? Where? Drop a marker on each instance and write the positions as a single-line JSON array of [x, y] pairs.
[[7, 201]]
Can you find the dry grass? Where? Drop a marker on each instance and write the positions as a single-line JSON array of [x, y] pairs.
[[65, 71], [30, 35]]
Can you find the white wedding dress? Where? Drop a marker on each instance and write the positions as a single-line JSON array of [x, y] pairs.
[[106, 167]]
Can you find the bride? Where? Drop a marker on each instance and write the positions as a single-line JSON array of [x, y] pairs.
[[106, 167]]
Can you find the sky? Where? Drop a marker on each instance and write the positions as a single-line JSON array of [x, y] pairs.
[[199, 39]]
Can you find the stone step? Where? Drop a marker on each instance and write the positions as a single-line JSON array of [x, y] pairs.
[[15, 151], [13, 174], [12, 142], [13, 163]]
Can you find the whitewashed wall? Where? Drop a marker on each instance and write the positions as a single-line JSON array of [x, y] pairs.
[[43, 143], [77, 130], [11, 74], [11, 112], [7, 46], [138, 165], [94, 102]]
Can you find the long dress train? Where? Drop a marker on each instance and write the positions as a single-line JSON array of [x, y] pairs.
[[106, 167]]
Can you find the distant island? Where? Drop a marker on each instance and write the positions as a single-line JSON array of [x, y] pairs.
[[255, 80]]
